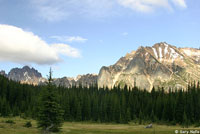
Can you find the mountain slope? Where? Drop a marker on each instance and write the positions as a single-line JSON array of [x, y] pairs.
[[160, 65]]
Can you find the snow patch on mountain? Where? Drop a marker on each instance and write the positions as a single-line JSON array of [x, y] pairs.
[[190, 52], [160, 53], [155, 52], [166, 49]]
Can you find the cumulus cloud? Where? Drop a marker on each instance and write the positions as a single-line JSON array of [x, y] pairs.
[[70, 38], [151, 5], [17, 45]]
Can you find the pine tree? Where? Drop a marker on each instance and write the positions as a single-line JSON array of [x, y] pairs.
[[185, 120], [95, 110], [128, 115], [86, 108], [50, 116], [123, 109], [140, 117], [66, 109], [179, 111], [5, 108], [152, 116], [117, 110], [79, 112]]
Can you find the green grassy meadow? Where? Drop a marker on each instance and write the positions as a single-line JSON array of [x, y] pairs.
[[87, 128]]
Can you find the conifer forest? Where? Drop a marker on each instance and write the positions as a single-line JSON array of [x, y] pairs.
[[103, 105]]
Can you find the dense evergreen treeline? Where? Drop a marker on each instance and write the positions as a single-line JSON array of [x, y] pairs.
[[103, 105]]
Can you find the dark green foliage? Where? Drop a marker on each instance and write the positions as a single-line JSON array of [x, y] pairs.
[[78, 112], [128, 115], [140, 117], [185, 120], [179, 110], [10, 122], [152, 117], [100, 105], [28, 124], [50, 114], [16, 99], [66, 108]]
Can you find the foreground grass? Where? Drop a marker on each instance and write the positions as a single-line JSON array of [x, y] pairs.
[[87, 128]]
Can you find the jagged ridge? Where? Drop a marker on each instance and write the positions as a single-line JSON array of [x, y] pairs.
[[32, 76]]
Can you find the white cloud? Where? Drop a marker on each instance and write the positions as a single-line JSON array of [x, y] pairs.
[[17, 45], [56, 10], [66, 50], [48, 10], [150, 5], [180, 3], [70, 38], [51, 13]]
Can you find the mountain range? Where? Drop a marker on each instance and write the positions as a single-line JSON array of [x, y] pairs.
[[32, 76], [162, 65]]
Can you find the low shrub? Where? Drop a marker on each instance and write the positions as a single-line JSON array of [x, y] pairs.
[[28, 124], [10, 122]]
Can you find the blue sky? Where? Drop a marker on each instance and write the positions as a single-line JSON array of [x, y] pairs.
[[80, 36]]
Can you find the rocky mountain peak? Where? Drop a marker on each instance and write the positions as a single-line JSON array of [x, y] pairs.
[[161, 44], [165, 52], [25, 75], [84, 80], [160, 65], [129, 55], [2, 72], [26, 68], [32, 76]]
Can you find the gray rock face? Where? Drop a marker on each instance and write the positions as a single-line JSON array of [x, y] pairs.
[[32, 76], [64, 82], [25, 75], [87, 80], [2, 72], [161, 65], [83, 80]]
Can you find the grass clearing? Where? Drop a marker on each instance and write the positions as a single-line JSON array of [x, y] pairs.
[[87, 128]]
